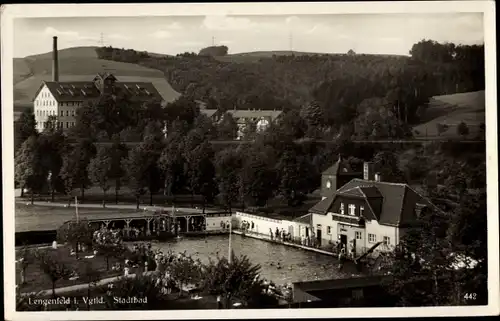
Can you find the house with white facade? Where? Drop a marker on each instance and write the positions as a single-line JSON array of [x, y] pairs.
[[366, 213]]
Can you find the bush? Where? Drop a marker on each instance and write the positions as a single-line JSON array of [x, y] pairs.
[[463, 129]]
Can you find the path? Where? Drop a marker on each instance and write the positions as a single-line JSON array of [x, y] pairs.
[[119, 206], [84, 286]]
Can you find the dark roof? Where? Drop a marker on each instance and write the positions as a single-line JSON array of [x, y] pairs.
[[86, 90], [322, 206], [399, 201], [72, 90]]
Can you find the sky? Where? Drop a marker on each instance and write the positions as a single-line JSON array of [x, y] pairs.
[[364, 33]]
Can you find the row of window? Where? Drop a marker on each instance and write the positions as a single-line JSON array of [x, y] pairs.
[[352, 209], [59, 124], [372, 238], [53, 113], [41, 103]]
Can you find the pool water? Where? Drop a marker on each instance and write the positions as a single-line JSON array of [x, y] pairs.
[[296, 265]]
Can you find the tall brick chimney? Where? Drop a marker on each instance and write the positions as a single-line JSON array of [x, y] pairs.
[[55, 61]]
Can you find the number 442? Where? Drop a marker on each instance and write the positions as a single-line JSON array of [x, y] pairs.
[[470, 296]]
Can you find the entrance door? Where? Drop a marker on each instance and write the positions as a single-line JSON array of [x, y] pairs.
[[343, 240], [318, 236], [307, 232]]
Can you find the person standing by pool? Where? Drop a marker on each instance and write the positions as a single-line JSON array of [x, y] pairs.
[[219, 303]]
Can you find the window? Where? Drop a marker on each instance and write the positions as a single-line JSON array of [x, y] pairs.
[[372, 238], [361, 209], [73, 112], [387, 240], [342, 209], [67, 124], [328, 184], [62, 112], [358, 235], [352, 209], [67, 112], [72, 124], [328, 230]]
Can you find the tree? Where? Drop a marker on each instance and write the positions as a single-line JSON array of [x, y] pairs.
[[228, 128], [421, 267], [100, 170], [313, 115], [463, 130], [54, 269], [292, 125], [185, 271], [76, 233], [200, 170], [74, 171], [387, 165], [27, 257], [24, 127], [171, 161], [236, 279], [109, 251], [54, 145], [214, 51], [293, 170], [468, 237], [118, 153], [228, 164], [258, 178], [141, 168], [29, 172]]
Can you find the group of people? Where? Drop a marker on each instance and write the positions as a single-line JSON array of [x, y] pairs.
[[280, 235]]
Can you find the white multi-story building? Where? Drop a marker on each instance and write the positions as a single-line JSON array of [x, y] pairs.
[[61, 99]]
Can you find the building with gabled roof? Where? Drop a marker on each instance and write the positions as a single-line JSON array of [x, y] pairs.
[[61, 99], [365, 212], [261, 118]]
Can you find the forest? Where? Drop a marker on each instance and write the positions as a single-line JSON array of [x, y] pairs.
[[343, 86]]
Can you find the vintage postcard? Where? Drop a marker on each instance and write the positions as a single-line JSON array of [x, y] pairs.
[[249, 160]]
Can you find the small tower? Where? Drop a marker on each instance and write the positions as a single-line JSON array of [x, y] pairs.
[[336, 176]]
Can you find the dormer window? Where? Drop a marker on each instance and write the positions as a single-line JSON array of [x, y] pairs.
[[328, 184], [352, 209], [342, 208], [361, 210]]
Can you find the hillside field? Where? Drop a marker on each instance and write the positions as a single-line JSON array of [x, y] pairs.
[[451, 110]]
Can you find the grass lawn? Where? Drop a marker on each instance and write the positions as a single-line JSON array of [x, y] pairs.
[[37, 280], [32, 217]]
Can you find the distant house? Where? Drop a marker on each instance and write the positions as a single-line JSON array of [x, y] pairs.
[[364, 212], [261, 118]]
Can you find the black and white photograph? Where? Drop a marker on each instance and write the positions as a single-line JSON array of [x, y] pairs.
[[249, 160]]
